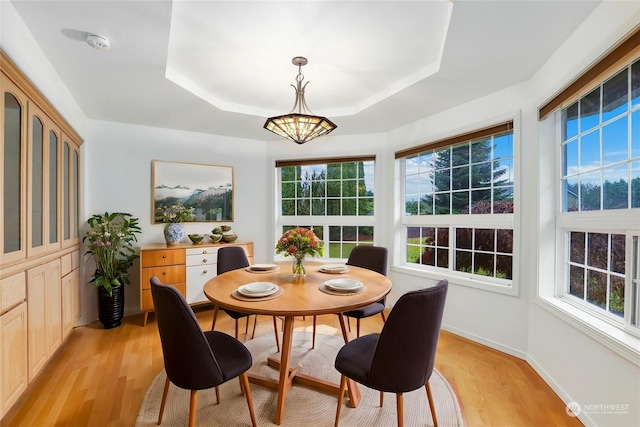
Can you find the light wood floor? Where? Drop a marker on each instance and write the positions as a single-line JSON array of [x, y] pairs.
[[99, 377]]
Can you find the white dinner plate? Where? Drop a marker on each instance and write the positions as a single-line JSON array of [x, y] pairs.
[[258, 289], [343, 284], [334, 267], [264, 267]]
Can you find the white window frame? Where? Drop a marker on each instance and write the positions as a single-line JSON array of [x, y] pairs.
[[324, 220], [497, 221]]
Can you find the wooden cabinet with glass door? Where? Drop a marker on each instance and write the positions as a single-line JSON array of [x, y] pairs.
[[39, 221]]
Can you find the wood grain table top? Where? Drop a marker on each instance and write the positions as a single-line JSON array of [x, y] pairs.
[[301, 296]]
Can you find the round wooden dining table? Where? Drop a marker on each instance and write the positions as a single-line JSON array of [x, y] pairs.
[[302, 296]]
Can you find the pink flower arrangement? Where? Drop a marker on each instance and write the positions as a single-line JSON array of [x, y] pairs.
[[299, 242]]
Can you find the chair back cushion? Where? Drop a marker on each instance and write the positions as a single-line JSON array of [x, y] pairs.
[[369, 257], [231, 258], [188, 358], [405, 353]]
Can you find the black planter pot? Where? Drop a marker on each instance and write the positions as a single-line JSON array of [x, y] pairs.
[[111, 308]]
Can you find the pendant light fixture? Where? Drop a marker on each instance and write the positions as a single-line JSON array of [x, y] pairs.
[[300, 125]]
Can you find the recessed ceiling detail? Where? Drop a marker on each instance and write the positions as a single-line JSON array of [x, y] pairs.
[[207, 41], [375, 65]]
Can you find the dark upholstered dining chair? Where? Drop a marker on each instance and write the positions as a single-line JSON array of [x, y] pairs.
[[233, 258], [401, 357], [372, 258], [193, 359]]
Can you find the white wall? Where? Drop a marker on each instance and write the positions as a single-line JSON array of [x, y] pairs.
[[18, 44], [117, 177]]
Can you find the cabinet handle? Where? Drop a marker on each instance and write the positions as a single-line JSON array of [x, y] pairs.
[[164, 273], [204, 271], [204, 261], [204, 252], [164, 256]]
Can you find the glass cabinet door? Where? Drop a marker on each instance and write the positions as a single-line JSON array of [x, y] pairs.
[[43, 192], [36, 197], [54, 157], [13, 175], [70, 191], [66, 215]]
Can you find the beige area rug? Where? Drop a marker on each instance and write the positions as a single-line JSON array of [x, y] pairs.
[[305, 406]]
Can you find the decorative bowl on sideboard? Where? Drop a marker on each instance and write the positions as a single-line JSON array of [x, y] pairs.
[[229, 237], [196, 238]]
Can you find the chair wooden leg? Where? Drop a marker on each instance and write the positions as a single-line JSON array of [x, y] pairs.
[[246, 327], [313, 339], [349, 323], [215, 316], [381, 399], [217, 395], [193, 406], [358, 327], [275, 332], [343, 387], [245, 381], [432, 406], [237, 320], [255, 322], [400, 409], [384, 319], [164, 399]]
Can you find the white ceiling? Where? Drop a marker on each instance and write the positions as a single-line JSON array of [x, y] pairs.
[[222, 67]]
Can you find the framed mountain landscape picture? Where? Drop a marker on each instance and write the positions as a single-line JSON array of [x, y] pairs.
[[208, 189]]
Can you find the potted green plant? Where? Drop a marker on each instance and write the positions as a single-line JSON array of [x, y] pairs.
[[110, 241], [174, 216]]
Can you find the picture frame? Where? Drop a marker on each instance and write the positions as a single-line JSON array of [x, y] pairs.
[[206, 188]]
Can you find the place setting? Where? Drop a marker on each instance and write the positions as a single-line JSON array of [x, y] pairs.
[[257, 291], [333, 268], [342, 287], [263, 268]]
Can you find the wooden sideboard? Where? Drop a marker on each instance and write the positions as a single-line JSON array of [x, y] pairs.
[[186, 267]]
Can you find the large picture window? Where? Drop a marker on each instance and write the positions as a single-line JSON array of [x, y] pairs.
[[334, 197], [458, 199], [600, 172]]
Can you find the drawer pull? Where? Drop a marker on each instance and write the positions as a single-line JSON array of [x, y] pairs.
[[204, 252], [204, 261], [164, 256], [204, 271], [164, 273]]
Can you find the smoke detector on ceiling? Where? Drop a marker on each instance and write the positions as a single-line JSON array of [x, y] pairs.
[[98, 42]]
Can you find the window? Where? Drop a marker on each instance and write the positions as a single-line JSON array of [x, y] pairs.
[[458, 199], [601, 146], [334, 197], [600, 173]]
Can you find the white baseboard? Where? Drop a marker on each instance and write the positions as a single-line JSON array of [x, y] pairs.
[[564, 396], [476, 338]]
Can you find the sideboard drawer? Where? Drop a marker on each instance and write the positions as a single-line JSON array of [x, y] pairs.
[[162, 257], [168, 275], [202, 259]]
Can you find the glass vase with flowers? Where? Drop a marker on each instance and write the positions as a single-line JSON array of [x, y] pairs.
[[298, 243]]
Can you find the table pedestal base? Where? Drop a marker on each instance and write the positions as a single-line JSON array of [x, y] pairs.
[[290, 375]]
